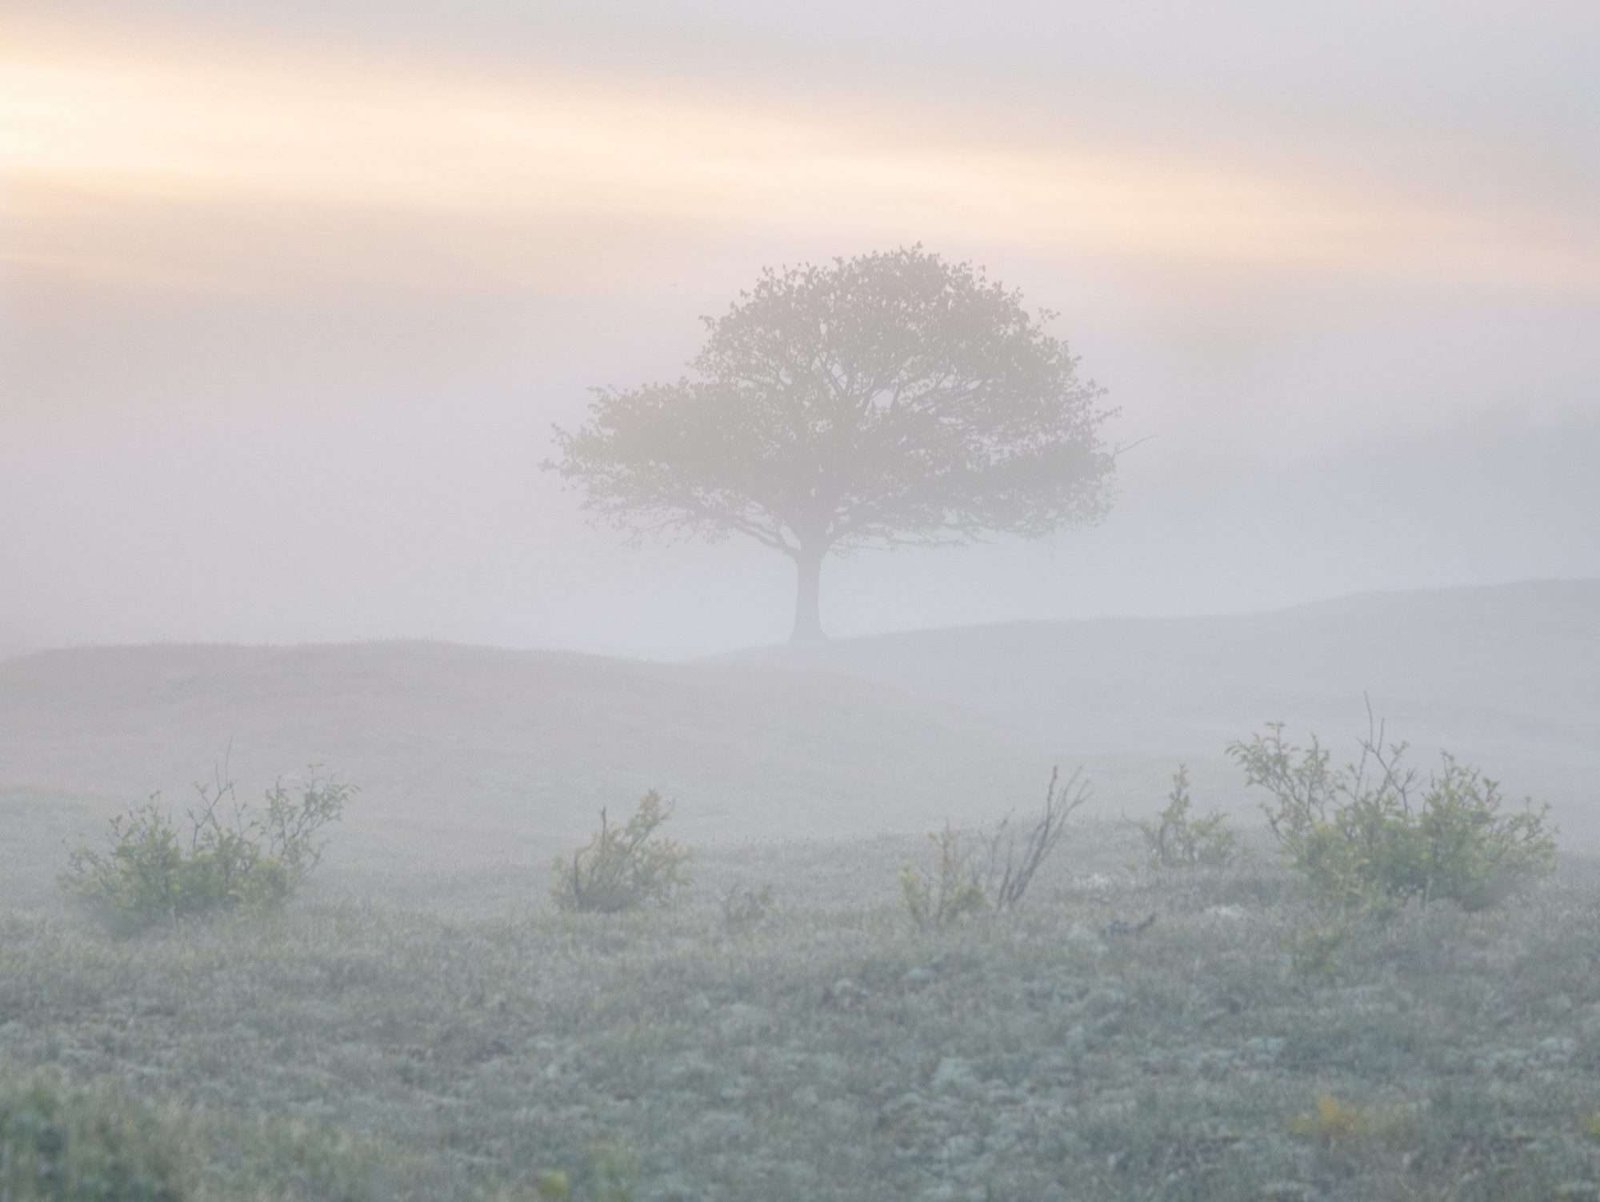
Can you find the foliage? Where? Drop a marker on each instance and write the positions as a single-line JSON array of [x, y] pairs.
[[554, 1185], [745, 906], [612, 1175], [623, 867], [887, 399], [1317, 945], [1376, 835], [99, 1143], [470, 1046], [152, 871], [955, 890], [1010, 870], [1176, 839], [62, 1145], [1334, 1122], [988, 872]]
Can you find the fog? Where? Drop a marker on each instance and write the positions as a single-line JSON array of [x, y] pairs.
[[597, 884], [293, 295]]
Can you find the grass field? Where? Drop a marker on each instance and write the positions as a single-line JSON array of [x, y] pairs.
[[421, 1023], [374, 1043]]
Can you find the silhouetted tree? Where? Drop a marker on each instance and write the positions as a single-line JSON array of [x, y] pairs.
[[885, 400]]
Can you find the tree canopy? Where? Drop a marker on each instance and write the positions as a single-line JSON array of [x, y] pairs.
[[884, 400]]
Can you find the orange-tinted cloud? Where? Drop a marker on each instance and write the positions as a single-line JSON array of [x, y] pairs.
[[232, 167]]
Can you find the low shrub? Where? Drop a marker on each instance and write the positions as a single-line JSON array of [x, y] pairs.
[[1334, 1122], [612, 1175], [623, 867], [1177, 839], [1317, 946], [1376, 834], [993, 871], [152, 870], [955, 889], [97, 1142], [745, 907], [64, 1145]]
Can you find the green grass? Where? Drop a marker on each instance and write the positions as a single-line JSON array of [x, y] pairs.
[[393, 1049]]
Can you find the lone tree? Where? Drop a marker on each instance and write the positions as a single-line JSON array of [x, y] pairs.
[[887, 400]]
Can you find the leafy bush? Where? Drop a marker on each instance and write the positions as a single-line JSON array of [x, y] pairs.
[[989, 872], [1318, 944], [1335, 1122], [100, 1143], [1176, 839], [1376, 835], [623, 868], [955, 890], [60, 1145], [745, 906], [152, 871], [612, 1175]]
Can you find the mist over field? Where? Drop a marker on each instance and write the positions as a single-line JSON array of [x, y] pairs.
[[689, 601], [281, 358]]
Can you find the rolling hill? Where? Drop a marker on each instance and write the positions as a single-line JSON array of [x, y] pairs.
[[455, 746], [467, 754], [1507, 677]]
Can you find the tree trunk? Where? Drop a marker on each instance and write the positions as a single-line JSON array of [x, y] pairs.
[[807, 608]]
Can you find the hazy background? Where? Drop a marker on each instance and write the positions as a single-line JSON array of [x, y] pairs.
[[292, 293]]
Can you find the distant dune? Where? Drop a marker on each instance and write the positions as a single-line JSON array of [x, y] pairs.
[[459, 748]]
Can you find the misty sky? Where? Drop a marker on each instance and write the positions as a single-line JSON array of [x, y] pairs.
[[290, 294]]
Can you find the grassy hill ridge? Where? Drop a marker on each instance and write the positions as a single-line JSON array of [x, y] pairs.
[[1507, 675], [462, 744], [469, 752]]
